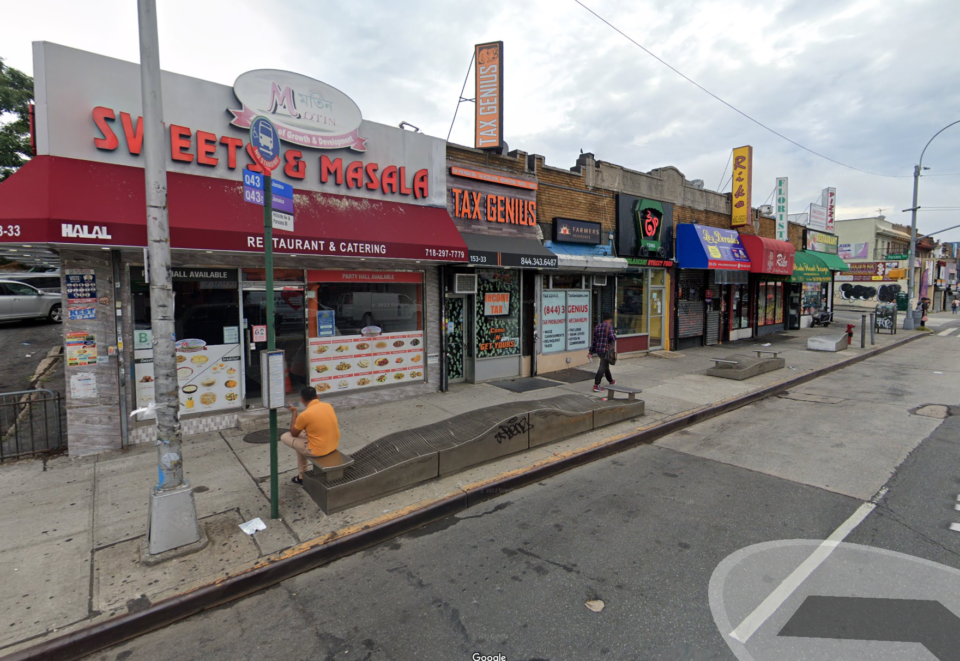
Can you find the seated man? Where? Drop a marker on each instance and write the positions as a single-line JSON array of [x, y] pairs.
[[313, 433]]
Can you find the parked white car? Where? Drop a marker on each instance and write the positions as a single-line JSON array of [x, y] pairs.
[[22, 301]]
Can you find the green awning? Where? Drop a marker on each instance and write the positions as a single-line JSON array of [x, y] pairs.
[[809, 267], [833, 262]]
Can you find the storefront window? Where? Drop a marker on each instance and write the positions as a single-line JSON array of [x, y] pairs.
[[631, 319], [207, 331], [498, 314], [814, 297], [770, 304], [565, 320], [365, 329]]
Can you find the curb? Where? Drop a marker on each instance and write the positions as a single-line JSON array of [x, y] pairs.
[[117, 630]]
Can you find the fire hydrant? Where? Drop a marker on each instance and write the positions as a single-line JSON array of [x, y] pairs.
[[850, 328]]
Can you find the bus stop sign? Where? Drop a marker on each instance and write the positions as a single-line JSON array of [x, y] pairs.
[[266, 144]]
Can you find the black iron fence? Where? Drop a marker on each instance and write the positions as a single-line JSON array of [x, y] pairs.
[[30, 424]]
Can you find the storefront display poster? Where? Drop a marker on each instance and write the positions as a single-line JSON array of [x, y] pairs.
[[578, 320], [208, 375], [81, 348], [553, 315], [81, 313], [353, 362], [83, 386], [81, 285], [326, 323]]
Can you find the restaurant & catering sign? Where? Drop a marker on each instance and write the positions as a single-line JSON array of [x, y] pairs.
[[644, 228], [821, 242]]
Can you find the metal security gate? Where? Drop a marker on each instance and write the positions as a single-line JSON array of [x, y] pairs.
[[690, 308], [30, 424]]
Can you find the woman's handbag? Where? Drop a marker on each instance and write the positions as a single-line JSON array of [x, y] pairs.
[[612, 354]]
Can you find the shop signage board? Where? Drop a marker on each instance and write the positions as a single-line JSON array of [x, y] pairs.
[[578, 320], [872, 271], [553, 318], [492, 178], [81, 285], [354, 362], [821, 242], [644, 228], [829, 199], [742, 186], [782, 209], [643, 263], [817, 217], [857, 251], [568, 230], [322, 141], [702, 247], [488, 106]]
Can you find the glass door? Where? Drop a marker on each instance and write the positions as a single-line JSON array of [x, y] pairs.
[[453, 313], [289, 326], [657, 307]]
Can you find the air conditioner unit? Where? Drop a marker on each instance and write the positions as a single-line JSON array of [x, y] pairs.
[[599, 281], [464, 283]]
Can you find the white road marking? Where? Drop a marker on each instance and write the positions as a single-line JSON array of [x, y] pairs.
[[955, 526], [947, 332], [775, 599]]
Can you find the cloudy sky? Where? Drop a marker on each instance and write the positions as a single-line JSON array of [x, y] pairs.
[[865, 82]]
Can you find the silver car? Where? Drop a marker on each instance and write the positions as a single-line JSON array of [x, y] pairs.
[[21, 301]]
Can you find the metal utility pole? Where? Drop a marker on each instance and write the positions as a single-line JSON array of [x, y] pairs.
[[908, 323], [173, 513]]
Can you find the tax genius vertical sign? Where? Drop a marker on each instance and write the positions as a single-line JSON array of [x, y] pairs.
[[488, 74]]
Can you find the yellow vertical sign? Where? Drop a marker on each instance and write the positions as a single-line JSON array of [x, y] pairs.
[[742, 186]]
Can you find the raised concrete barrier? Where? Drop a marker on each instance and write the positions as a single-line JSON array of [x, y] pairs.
[[739, 368], [407, 458], [832, 342]]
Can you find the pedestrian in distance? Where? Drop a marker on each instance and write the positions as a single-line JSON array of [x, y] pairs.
[[954, 304], [924, 307], [604, 347], [313, 433]]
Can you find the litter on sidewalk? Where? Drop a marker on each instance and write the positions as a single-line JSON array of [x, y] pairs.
[[253, 525]]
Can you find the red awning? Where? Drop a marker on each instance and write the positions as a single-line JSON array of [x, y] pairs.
[[769, 255], [62, 200]]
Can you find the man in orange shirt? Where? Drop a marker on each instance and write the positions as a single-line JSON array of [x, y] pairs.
[[313, 433]]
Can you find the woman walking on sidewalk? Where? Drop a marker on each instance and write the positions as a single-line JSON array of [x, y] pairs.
[[604, 347]]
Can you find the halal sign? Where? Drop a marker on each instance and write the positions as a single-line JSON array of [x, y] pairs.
[[305, 111], [649, 217]]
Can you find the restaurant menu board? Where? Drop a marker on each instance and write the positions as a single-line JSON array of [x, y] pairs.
[[81, 285], [554, 320], [352, 362], [209, 377], [578, 320], [81, 348]]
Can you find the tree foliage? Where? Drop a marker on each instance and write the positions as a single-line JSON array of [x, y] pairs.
[[16, 93]]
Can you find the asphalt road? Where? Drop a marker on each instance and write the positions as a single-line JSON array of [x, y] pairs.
[[681, 542], [25, 344]]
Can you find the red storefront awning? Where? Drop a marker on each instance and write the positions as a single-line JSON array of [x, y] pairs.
[[62, 200], [769, 255]]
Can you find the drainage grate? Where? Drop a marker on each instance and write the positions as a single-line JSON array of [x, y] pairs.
[[259, 436]]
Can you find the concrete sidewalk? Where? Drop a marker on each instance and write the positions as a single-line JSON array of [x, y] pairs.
[[72, 532]]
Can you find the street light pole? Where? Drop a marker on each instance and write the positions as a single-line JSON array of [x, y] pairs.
[[908, 323], [173, 513]]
